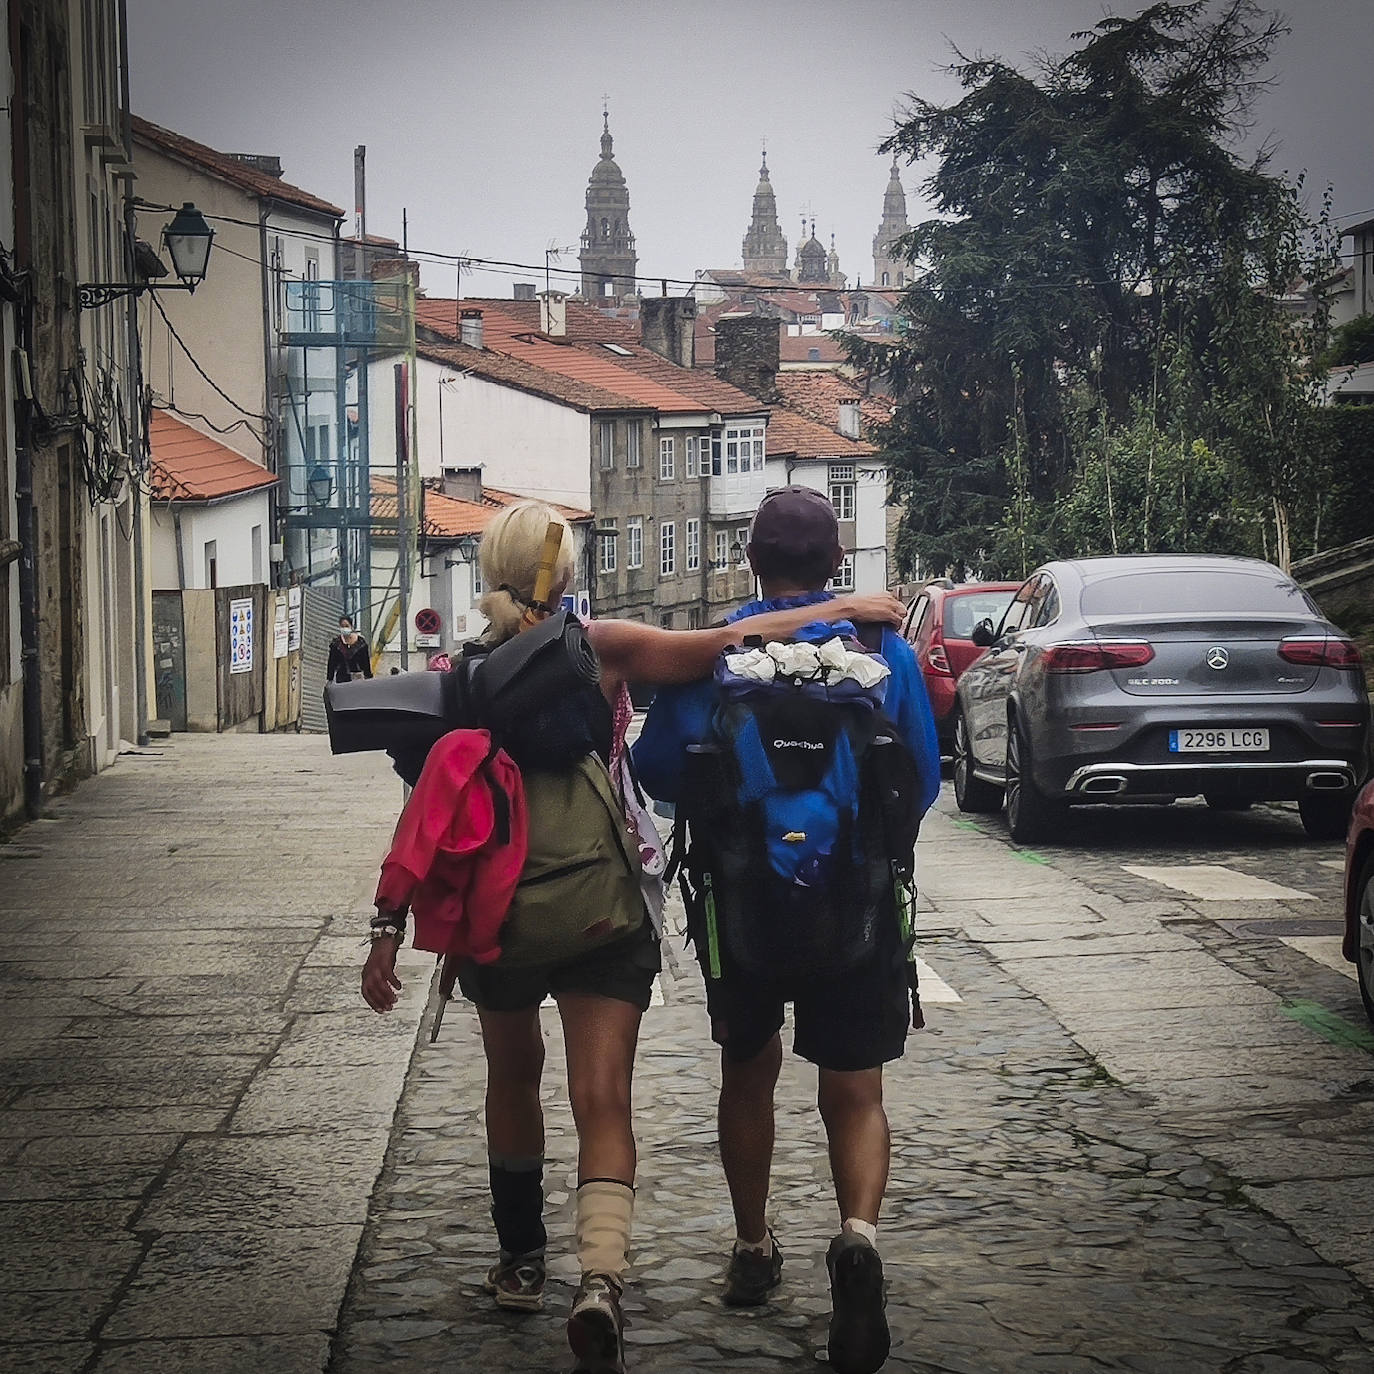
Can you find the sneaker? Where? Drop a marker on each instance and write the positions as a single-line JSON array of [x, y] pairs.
[[517, 1282], [752, 1276], [859, 1341], [596, 1326]]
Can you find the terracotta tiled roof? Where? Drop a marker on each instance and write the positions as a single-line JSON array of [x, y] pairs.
[[629, 371], [790, 434], [230, 169], [446, 517], [512, 372], [573, 514], [817, 393], [449, 517], [187, 465]]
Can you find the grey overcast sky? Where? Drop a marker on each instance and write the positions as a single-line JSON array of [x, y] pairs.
[[483, 119]]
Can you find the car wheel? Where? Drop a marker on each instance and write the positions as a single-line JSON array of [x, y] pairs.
[[971, 793], [1219, 802], [1326, 815], [1364, 938], [1031, 815]]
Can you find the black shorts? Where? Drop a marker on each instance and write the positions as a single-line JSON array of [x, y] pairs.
[[855, 1020], [624, 970]]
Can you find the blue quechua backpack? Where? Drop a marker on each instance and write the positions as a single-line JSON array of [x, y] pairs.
[[797, 826]]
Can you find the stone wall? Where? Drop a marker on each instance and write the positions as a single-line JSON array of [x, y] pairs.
[[747, 354]]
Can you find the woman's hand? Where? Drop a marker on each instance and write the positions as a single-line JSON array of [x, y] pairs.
[[380, 983], [872, 608]]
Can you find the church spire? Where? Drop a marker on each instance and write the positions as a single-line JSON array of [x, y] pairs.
[[765, 248], [889, 270], [608, 258]]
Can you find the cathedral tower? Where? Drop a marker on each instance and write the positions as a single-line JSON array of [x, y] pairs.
[[765, 249], [608, 258], [889, 270]]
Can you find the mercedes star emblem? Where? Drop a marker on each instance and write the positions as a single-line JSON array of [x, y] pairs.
[[1217, 658]]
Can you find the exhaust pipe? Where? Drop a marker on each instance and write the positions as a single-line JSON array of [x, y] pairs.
[[1328, 782], [1104, 785]]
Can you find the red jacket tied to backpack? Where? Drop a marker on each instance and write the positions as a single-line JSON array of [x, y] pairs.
[[459, 848]]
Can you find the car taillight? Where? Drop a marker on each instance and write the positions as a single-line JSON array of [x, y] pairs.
[[1095, 655], [1319, 651]]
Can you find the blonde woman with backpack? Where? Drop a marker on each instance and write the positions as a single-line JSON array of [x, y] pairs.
[[601, 995]]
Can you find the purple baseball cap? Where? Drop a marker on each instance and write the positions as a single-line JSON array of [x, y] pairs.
[[794, 525]]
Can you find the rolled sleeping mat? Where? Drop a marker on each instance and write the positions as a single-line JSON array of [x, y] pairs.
[[537, 666], [400, 713]]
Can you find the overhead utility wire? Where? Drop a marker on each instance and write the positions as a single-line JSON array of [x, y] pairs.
[[496, 265], [215, 386]]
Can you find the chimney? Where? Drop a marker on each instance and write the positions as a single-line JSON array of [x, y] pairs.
[[463, 484], [470, 328], [747, 354], [849, 418], [524, 290], [668, 327], [553, 314]]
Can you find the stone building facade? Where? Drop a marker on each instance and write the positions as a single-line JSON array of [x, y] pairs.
[[888, 269], [73, 607]]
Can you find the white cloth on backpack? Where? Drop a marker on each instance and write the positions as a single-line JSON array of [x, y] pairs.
[[829, 662]]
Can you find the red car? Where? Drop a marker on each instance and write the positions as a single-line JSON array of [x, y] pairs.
[[938, 627], [1358, 945]]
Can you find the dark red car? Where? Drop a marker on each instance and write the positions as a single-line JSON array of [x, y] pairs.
[[1358, 945], [939, 627]]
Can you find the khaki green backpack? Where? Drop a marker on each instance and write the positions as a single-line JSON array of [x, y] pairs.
[[580, 887]]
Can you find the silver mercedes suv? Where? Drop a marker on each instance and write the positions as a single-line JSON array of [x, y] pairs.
[[1156, 677]]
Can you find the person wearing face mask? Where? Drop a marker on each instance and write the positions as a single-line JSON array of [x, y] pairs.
[[348, 654]]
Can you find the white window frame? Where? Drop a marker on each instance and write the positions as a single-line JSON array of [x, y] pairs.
[[632, 446], [744, 449], [667, 548], [667, 458], [609, 556], [843, 497], [742, 534], [692, 539], [605, 444], [690, 462], [843, 581], [634, 542], [722, 558]]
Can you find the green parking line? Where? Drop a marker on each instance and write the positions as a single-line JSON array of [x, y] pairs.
[[1030, 856], [966, 824], [1329, 1026]]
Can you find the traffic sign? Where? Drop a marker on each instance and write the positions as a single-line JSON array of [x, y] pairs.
[[427, 621]]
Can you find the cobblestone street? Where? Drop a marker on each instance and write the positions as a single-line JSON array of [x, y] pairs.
[[1044, 1212], [1128, 1139]]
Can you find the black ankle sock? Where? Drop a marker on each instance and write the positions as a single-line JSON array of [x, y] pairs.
[[517, 1205]]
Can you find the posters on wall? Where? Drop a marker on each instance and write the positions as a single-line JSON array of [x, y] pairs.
[[293, 636], [281, 629], [241, 636]]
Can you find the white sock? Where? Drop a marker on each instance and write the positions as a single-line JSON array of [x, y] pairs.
[[867, 1229], [759, 1247]]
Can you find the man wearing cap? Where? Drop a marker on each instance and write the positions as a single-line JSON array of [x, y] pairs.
[[848, 1027]]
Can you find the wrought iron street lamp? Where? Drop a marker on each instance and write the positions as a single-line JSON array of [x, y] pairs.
[[187, 239], [319, 486]]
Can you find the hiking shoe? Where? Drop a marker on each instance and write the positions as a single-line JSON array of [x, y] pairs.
[[596, 1326], [858, 1341], [751, 1276], [517, 1282]]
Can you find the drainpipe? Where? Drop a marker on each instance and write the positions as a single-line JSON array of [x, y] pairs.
[[28, 588], [181, 547], [135, 361]]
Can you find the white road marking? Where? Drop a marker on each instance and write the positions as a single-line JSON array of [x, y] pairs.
[[1322, 949], [1215, 883], [933, 987]]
